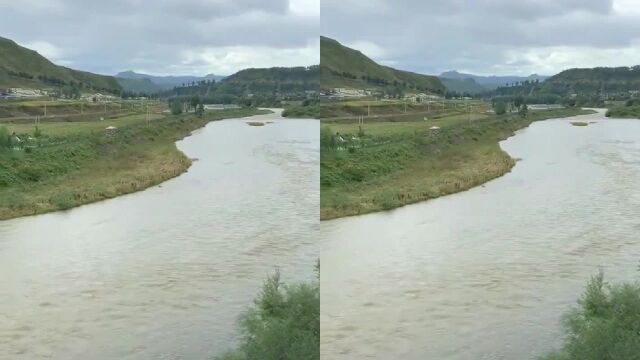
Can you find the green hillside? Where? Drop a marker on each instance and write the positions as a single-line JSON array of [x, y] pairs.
[[607, 80], [467, 85], [341, 66], [276, 79], [22, 67], [145, 85]]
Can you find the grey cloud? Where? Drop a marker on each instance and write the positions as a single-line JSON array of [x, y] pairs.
[[480, 36], [110, 36]]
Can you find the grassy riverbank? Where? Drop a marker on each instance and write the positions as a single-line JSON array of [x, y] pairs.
[[75, 163], [390, 164], [624, 112]]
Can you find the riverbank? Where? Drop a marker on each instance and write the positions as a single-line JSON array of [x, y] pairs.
[[73, 164], [624, 112], [391, 164]]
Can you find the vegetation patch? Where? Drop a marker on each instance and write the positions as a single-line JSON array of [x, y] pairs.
[[283, 324], [605, 325], [384, 165], [624, 112]]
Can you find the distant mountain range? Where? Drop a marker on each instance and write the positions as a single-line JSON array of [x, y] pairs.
[[22, 67], [343, 67], [467, 85], [490, 82], [145, 83]]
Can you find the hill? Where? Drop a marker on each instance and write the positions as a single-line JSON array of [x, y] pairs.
[[275, 79], [590, 81], [493, 81], [467, 85], [167, 82], [265, 87], [22, 67], [341, 66], [144, 86]]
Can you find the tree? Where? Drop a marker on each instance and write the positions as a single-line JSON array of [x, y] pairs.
[[605, 325], [523, 110], [499, 107], [194, 101], [200, 110], [176, 107], [517, 101]]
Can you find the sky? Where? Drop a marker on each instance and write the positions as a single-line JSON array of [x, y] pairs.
[[166, 37], [488, 37]]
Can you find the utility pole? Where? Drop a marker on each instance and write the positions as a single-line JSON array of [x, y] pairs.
[[45, 109], [148, 120], [81, 108], [368, 109]]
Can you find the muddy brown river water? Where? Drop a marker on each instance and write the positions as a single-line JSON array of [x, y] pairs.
[[487, 273], [165, 273]]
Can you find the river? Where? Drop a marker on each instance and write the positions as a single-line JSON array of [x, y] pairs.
[[165, 273], [487, 273]]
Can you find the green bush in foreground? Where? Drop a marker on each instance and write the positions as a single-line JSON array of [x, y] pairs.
[[284, 323], [5, 139], [605, 325]]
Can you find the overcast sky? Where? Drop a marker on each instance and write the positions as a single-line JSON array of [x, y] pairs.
[[502, 37], [166, 37]]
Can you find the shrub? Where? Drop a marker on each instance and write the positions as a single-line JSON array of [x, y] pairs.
[[360, 132], [63, 200], [5, 138], [327, 139], [523, 110], [176, 107], [387, 200], [284, 323], [605, 325]]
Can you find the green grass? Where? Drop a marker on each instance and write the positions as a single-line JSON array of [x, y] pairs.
[[76, 163], [64, 128], [305, 112], [339, 111], [397, 163], [604, 326]]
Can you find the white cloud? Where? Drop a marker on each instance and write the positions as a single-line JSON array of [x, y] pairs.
[[116, 35], [227, 60], [45, 49], [305, 7], [369, 48]]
